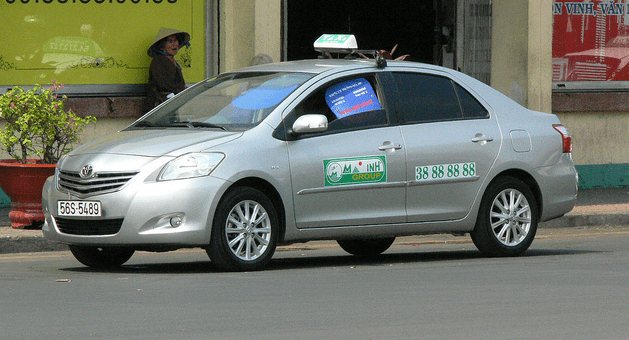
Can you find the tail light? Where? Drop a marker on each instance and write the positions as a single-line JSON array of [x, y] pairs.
[[565, 136]]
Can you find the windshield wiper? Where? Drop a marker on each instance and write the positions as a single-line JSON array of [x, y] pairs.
[[143, 124], [193, 125]]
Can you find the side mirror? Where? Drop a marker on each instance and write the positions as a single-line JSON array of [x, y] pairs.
[[310, 123]]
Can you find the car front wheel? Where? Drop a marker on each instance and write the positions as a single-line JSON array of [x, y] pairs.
[[244, 231], [101, 257], [507, 219]]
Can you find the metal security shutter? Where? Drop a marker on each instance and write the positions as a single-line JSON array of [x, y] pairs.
[[474, 38]]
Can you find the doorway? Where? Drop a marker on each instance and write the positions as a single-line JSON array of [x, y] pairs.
[[450, 33], [376, 25]]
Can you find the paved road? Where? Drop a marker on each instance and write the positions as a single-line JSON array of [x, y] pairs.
[[572, 284]]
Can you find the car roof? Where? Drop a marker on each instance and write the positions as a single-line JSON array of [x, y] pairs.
[[318, 66], [330, 66]]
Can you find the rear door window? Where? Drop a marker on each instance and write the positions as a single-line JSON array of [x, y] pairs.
[[426, 98], [470, 106]]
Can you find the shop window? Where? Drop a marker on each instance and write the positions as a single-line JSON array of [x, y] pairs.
[[590, 44]]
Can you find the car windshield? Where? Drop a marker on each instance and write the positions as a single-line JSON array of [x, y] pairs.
[[237, 101]]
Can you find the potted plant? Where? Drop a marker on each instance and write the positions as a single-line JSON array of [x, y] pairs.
[[37, 132]]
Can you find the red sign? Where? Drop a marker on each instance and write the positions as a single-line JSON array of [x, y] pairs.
[[591, 40]]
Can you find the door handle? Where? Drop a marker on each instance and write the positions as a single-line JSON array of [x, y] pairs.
[[386, 146], [482, 138]]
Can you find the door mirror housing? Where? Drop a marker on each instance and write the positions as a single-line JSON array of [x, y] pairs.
[[310, 123]]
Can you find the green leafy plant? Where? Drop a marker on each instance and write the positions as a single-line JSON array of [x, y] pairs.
[[36, 124]]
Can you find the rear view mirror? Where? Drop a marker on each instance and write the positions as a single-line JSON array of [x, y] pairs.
[[310, 123]]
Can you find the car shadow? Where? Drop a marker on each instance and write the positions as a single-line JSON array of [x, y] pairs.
[[329, 261], [403, 258]]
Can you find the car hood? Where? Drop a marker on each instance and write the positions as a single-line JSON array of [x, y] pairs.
[[155, 143]]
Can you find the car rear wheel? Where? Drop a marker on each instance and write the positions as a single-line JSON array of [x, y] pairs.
[[101, 257], [507, 219], [367, 247], [244, 231]]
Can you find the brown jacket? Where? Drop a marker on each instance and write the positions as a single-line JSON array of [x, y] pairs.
[[165, 77]]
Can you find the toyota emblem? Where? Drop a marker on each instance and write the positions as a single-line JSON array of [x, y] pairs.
[[87, 171]]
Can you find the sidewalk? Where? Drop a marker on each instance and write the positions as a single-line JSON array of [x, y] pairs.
[[595, 207]]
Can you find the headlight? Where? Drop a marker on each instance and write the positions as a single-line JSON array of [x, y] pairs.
[[190, 165]]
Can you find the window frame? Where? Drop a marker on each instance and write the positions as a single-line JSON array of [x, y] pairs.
[[398, 98]]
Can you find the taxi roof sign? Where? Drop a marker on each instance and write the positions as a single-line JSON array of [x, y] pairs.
[[336, 43]]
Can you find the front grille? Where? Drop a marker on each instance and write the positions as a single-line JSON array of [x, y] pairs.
[[97, 184], [89, 227]]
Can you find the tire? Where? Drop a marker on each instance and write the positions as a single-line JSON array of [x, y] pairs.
[[507, 218], [245, 230], [97, 257], [367, 247]]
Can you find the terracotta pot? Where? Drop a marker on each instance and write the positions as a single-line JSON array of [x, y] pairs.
[[23, 184]]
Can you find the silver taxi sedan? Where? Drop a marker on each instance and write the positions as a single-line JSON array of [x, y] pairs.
[[348, 150]]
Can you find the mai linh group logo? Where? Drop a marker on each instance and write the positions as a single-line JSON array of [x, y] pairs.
[[355, 170]]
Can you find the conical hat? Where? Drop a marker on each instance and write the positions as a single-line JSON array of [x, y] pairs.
[[183, 37]]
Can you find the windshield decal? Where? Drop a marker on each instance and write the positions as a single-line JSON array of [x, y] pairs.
[[262, 97], [269, 93]]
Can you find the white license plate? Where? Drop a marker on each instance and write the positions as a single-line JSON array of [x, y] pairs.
[[79, 208]]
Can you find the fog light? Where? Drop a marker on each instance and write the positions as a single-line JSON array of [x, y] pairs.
[[176, 221]]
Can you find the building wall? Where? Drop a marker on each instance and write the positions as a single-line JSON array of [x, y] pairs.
[[522, 51], [246, 29], [599, 124], [509, 49], [522, 69]]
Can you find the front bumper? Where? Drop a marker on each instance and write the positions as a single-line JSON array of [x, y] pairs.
[[142, 209]]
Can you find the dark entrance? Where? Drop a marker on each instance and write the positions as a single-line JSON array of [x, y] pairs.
[[376, 24]]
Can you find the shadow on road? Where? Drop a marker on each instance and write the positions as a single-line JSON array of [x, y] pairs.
[[402, 258], [318, 261]]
